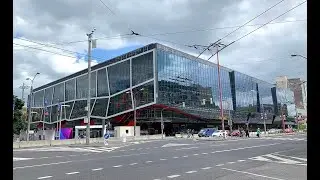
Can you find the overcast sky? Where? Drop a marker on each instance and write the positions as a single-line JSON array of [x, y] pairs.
[[264, 54]]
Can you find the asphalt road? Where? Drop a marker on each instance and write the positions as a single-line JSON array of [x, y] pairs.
[[278, 158]]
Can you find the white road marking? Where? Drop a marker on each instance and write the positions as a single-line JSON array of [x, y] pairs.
[[39, 165], [44, 177], [298, 158], [139, 148], [260, 158], [21, 159], [175, 157], [231, 162], [59, 156], [148, 161], [288, 161], [187, 148], [185, 156], [206, 168], [72, 173], [217, 145], [72, 155], [174, 144], [132, 149], [98, 169], [133, 164], [117, 166], [84, 160], [302, 164], [204, 153], [86, 154], [147, 148], [195, 154], [163, 159], [241, 160], [157, 179], [190, 172], [173, 176], [258, 175], [219, 165]]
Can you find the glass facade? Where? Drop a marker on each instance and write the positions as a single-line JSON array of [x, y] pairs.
[[113, 89], [159, 78]]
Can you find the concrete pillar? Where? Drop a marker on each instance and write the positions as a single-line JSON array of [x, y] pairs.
[[103, 127], [76, 133]]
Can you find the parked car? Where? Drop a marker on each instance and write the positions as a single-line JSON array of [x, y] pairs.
[[219, 133], [236, 133], [288, 130], [206, 132]]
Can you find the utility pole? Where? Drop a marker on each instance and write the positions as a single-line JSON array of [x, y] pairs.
[[89, 86], [23, 87]]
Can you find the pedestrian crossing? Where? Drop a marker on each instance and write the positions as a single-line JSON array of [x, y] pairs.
[[285, 138], [279, 158], [73, 149]]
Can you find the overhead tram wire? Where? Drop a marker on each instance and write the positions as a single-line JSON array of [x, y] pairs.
[[212, 44], [52, 46], [259, 27]]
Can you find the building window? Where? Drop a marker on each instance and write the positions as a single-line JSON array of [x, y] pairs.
[[119, 76]]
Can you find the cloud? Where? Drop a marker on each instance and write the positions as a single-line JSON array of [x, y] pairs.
[[264, 54]]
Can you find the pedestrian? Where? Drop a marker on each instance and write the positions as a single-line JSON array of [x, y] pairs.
[[192, 132], [247, 132], [258, 132]]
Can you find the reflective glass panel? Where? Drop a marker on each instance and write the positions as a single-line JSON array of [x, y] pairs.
[[100, 107], [38, 99], [48, 95], [58, 95], [120, 103], [142, 68], [66, 110], [102, 83], [144, 94], [82, 87], [79, 109], [70, 91], [54, 113], [93, 84], [119, 76]]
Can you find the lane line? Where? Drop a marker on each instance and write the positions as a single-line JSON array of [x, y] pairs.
[[59, 156], [173, 176], [289, 161], [241, 160], [72, 155], [175, 157], [133, 164], [70, 173], [148, 161], [44, 177], [253, 174], [117, 166], [219, 165], [98, 169], [185, 156], [231, 162], [39, 165], [163, 159], [204, 153], [186, 148], [190, 172], [195, 154], [206, 168], [298, 158]]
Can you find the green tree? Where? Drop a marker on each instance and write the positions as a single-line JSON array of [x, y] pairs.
[[19, 119]]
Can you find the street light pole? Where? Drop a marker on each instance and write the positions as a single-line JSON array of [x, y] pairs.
[[23, 87], [220, 90], [89, 86], [30, 104], [134, 111]]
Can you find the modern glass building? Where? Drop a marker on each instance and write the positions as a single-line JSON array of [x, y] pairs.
[[155, 79]]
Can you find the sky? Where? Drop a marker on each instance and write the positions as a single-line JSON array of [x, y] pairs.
[[50, 36]]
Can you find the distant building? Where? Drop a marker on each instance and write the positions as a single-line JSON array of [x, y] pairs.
[[282, 82]]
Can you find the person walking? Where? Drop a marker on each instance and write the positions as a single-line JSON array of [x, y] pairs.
[[247, 132], [258, 132]]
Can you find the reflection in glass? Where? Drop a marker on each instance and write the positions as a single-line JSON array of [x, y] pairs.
[[102, 83], [82, 87], [119, 103], [142, 68], [66, 110], [58, 95], [79, 109], [36, 114], [144, 94], [70, 91], [54, 113], [119, 76], [47, 114], [38, 98], [48, 95], [93, 84], [100, 107]]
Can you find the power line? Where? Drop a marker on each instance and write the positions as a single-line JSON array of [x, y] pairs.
[[52, 46], [268, 22], [252, 19], [107, 7], [259, 27]]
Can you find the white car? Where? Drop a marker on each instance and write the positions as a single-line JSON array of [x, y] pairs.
[[219, 133]]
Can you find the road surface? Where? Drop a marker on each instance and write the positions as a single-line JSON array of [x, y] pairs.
[[277, 158]]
